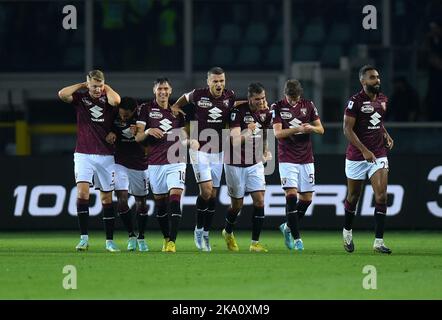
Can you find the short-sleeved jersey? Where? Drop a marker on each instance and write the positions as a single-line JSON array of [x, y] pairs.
[[369, 125], [128, 152], [157, 117], [211, 113], [94, 121], [296, 148], [252, 149]]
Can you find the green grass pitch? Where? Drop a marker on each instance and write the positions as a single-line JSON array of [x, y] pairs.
[[31, 267]]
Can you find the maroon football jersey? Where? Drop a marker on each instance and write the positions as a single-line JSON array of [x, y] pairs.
[[296, 148], [128, 152], [211, 112], [369, 125], [157, 117], [94, 122], [252, 149]]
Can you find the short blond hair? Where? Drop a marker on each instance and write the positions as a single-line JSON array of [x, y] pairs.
[[96, 75]]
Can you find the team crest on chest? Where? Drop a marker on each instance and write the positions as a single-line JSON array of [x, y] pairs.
[[263, 117], [226, 103], [303, 111]]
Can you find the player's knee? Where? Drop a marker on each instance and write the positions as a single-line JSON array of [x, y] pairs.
[[258, 203], [291, 193], [353, 198], [206, 193], [381, 197]]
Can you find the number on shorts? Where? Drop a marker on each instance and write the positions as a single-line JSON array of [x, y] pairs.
[[384, 164], [182, 176], [312, 178]]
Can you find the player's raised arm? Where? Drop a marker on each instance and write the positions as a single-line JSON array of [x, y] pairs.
[[177, 107], [66, 93], [349, 123], [112, 97]]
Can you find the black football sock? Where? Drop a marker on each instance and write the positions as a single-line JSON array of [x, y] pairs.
[[230, 220], [208, 216], [175, 216], [83, 215], [126, 217], [257, 222], [380, 213], [162, 216], [292, 216], [350, 210], [201, 208], [301, 208], [109, 220], [141, 220]]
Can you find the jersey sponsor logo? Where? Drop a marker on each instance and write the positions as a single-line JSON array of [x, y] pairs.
[[204, 103], [350, 105], [215, 113], [286, 115], [295, 123], [367, 109], [87, 102], [155, 115], [165, 124], [96, 113], [375, 120], [248, 119]]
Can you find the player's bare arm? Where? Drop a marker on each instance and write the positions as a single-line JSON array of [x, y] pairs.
[[388, 140], [140, 135], [349, 123], [111, 138], [112, 97], [66, 93], [239, 137], [238, 102], [266, 155], [177, 107], [314, 127], [281, 133]]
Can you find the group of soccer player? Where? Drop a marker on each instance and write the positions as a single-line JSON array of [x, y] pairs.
[[126, 147]]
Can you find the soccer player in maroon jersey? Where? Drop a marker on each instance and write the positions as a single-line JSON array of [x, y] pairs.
[[212, 107], [166, 171], [294, 120], [95, 103], [244, 163], [130, 171], [366, 154]]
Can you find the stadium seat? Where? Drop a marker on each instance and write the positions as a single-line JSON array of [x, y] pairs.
[[314, 33], [256, 34], [305, 53], [331, 55], [273, 58], [203, 34], [200, 56], [277, 39], [230, 34], [340, 34], [222, 56], [248, 56]]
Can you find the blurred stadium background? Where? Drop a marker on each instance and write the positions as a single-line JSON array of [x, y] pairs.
[[321, 43]]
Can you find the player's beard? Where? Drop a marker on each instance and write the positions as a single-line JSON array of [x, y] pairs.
[[374, 89]]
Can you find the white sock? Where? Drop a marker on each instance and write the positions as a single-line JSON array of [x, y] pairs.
[[84, 237], [109, 241], [205, 233], [378, 241], [254, 242]]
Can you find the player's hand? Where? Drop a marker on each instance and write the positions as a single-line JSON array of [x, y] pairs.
[[194, 144], [177, 110], [111, 137], [251, 127], [388, 141], [307, 128], [369, 156], [267, 156], [155, 132], [133, 129]]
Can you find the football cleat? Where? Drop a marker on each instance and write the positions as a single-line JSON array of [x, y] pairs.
[[299, 245], [142, 245], [257, 247], [230, 241], [170, 247], [206, 244], [111, 246], [198, 238], [380, 247], [83, 245], [348, 240], [132, 244], [165, 241], [288, 239]]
